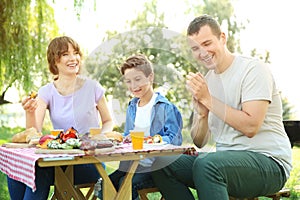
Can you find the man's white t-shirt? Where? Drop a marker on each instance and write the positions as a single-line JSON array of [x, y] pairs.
[[249, 80]]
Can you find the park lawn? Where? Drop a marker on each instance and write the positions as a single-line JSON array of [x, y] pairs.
[[293, 182]]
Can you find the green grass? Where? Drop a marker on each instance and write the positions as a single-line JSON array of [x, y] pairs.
[[293, 182], [3, 187], [5, 136]]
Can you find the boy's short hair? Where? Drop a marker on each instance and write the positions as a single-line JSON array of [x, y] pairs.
[[139, 62]]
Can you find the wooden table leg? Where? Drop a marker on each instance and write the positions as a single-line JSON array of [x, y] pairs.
[[108, 190], [64, 184], [125, 190]]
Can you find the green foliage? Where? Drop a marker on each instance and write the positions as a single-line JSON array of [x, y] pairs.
[[5, 136], [25, 29], [287, 109], [7, 133], [167, 50], [223, 11], [4, 195], [264, 57]]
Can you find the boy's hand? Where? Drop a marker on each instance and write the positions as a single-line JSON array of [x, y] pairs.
[[127, 139]]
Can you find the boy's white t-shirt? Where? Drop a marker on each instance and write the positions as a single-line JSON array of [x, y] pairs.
[[143, 122], [143, 116]]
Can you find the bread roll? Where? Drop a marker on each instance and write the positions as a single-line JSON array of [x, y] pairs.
[[33, 95], [114, 135], [99, 137], [33, 135], [21, 137], [34, 141]]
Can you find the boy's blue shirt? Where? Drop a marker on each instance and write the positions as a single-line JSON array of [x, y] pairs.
[[166, 120]]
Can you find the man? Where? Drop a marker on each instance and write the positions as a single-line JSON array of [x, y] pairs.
[[236, 103]]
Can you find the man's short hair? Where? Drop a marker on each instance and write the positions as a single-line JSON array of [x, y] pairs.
[[203, 20]]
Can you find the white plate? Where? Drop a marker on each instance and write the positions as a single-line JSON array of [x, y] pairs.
[[154, 144]]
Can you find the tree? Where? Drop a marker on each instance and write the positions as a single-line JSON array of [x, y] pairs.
[[25, 29], [287, 109], [223, 11], [167, 50]]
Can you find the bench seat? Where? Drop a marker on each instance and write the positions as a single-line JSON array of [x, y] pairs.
[[276, 196]]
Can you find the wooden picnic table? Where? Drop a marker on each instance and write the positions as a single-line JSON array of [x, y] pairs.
[[19, 163]]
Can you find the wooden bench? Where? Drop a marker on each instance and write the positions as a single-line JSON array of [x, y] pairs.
[[282, 193], [89, 194], [276, 196], [144, 192]]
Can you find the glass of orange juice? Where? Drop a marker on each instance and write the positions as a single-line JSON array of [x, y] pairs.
[[137, 139], [55, 132], [95, 131]]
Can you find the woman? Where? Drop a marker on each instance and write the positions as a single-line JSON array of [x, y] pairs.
[[72, 101]]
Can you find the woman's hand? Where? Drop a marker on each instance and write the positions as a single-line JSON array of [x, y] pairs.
[[29, 104]]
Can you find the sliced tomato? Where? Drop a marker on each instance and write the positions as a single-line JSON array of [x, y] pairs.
[[70, 133]]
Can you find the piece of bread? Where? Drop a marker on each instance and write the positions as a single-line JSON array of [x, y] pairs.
[[33, 95], [21, 137], [99, 137], [34, 141], [33, 137], [114, 135]]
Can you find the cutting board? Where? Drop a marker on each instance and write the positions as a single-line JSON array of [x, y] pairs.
[[74, 151], [18, 145], [59, 151]]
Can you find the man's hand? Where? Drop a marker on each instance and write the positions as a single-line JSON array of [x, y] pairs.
[[196, 84], [199, 108]]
